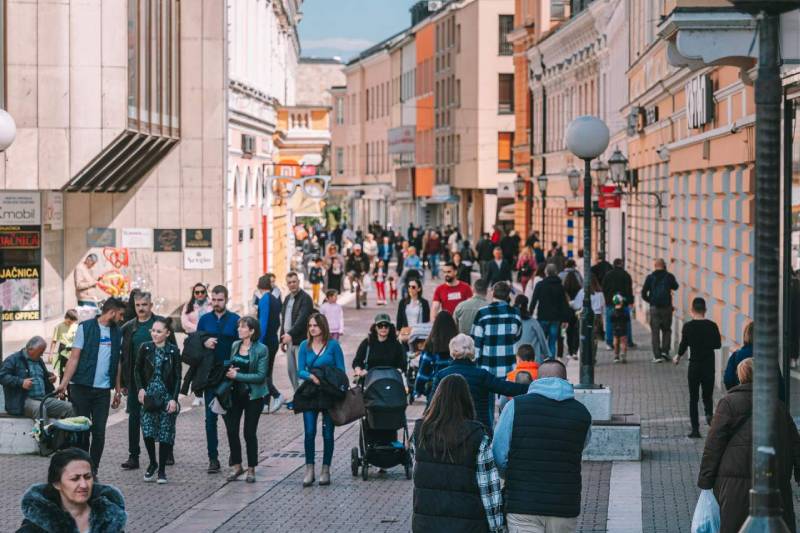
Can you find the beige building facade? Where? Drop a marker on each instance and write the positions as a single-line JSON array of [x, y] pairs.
[[105, 148]]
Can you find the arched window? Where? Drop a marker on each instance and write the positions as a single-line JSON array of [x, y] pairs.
[[248, 189], [234, 192]]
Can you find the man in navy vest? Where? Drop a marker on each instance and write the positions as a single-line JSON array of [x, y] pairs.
[[538, 444], [92, 370]]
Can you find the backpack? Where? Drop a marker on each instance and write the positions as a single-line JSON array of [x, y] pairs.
[[660, 291]]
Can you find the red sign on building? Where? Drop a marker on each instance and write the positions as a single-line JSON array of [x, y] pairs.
[[609, 198]]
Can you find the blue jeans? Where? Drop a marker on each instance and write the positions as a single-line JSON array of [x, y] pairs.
[[609, 335], [212, 439], [433, 262], [310, 426], [551, 330]]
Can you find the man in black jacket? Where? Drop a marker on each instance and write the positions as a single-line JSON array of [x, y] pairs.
[[26, 381], [297, 308], [657, 291], [485, 249], [136, 332], [499, 268], [617, 281], [553, 307]]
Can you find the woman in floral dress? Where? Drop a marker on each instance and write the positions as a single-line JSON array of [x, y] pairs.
[[158, 377]]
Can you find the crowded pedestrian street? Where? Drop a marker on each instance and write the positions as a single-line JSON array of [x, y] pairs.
[[657, 494]]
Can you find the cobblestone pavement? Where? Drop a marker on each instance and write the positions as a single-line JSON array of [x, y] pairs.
[[657, 393]]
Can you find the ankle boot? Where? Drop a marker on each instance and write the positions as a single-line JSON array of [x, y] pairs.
[[308, 480], [325, 475]]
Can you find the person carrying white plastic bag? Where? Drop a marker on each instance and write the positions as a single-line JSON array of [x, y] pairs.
[[706, 513]]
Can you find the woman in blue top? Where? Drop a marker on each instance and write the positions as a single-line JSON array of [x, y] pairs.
[[318, 350], [248, 370]]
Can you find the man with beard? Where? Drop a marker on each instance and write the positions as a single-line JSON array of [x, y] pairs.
[[92, 370], [222, 325], [136, 332], [450, 293]]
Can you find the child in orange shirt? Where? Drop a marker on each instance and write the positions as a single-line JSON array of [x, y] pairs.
[[526, 371]]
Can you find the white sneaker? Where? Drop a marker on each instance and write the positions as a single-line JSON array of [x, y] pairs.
[[658, 360], [276, 403], [197, 402]]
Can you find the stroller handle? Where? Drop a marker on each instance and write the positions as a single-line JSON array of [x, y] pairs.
[[42, 409]]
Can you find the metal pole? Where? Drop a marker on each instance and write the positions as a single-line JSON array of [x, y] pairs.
[[788, 318], [544, 215], [587, 315], [765, 501]]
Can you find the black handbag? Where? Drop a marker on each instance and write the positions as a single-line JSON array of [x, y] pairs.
[[152, 404]]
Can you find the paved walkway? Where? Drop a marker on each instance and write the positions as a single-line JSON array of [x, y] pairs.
[[660, 489]]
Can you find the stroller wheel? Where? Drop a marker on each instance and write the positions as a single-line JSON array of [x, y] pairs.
[[354, 461], [365, 471]]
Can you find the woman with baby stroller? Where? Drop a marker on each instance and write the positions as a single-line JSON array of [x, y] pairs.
[[380, 364]]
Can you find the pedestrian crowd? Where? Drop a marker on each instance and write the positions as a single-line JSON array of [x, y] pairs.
[[500, 443]]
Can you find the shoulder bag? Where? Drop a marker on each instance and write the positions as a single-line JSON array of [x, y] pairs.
[[351, 407]]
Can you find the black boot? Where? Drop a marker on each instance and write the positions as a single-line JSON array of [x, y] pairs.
[[132, 463], [695, 434]]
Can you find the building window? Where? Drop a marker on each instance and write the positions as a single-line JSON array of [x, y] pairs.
[[505, 141], [340, 111], [506, 26], [505, 92], [153, 67], [340, 161]]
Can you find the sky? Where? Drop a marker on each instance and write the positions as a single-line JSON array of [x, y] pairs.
[[346, 27]]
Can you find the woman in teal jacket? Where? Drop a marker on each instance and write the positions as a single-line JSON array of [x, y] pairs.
[[318, 350], [248, 371]]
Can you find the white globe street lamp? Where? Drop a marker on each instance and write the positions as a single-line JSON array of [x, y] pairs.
[[8, 130], [587, 137]]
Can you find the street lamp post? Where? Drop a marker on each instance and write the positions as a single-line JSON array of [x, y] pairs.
[[765, 500], [601, 174], [587, 138], [542, 182]]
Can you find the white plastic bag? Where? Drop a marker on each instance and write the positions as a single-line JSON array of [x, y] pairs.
[[706, 513], [216, 408]]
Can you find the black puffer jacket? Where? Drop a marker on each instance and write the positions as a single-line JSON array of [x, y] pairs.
[[41, 507], [446, 494], [331, 389], [207, 372]]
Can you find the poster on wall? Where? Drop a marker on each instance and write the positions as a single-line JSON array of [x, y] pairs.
[[137, 238], [198, 259], [54, 209], [198, 238], [167, 240], [20, 272], [101, 237]]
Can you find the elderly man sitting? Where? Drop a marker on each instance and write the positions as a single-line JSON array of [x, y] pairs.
[[483, 385], [26, 382]]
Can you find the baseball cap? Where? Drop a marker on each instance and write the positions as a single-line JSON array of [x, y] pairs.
[[382, 318]]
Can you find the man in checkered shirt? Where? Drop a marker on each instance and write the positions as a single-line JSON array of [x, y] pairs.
[[496, 330]]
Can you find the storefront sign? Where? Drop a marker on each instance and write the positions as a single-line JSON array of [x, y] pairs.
[[198, 259], [101, 238], [699, 101], [167, 240], [401, 140], [641, 117], [441, 190], [19, 292], [20, 208], [54, 209], [198, 238], [137, 238], [609, 198]]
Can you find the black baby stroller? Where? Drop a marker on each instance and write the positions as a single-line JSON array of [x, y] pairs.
[[54, 435], [385, 403]]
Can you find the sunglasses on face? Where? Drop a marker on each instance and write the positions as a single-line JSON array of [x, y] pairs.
[[383, 326], [199, 292], [413, 287]]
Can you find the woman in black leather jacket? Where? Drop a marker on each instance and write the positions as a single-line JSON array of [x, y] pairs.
[[158, 378]]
